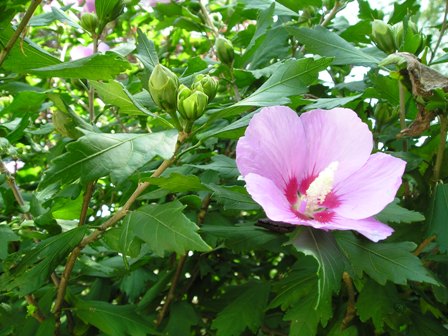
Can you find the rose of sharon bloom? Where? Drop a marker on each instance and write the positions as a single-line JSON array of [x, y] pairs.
[[81, 51], [317, 170]]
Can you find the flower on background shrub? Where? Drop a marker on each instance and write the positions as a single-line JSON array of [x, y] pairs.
[[317, 170], [81, 51]]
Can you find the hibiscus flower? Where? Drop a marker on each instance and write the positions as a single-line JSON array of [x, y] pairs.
[[317, 170]]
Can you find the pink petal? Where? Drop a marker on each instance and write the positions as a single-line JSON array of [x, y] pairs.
[[274, 146], [270, 197], [371, 188], [336, 135], [80, 52], [368, 227]]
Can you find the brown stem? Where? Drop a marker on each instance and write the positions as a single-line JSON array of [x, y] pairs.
[[85, 203], [442, 32], [19, 30], [204, 209], [351, 310], [330, 16], [102, 228], [402, 112], [423, 245], [170, 296], [37, 314], [441, 148]]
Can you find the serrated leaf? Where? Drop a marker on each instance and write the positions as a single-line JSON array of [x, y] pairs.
[[146, 51], [322, 246], [113, 320], [265, 4], [6, 236], [234, 197], [225, 166], [179, 183], [438, 214], [114, 93], [387, 261], [291, 78], [166, 229], [393, 213], [182, 317], [246, 311], [323, 42], [27, 271], [329, 103], [376, 302], [119, 155], [95, 67]]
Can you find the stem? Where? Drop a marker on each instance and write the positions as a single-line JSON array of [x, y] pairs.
[[351, 309], [441, 148], [85, 203], [330, 16], [102, 228], [402, 112], [208, 19], [442, 31], [37, 314], [19, 30], [234, 86], [91, 89], [423, 245], [170, 296]]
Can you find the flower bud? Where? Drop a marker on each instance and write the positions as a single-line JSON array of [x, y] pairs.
[[191, 104], [163, 86], [224, 50], [383, 36], [89, 21], [412, 42], [206, 84]]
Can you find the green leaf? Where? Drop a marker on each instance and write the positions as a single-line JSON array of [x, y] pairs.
[[182, 317], [329, 103], [246, 311], [6, 236], [113, 320], [387, 261], [96, 67], [146, 51], [119, 155], [393, 213], [114, 93], [265, 4], [438, 214], [21, 61], [234, 197], [179, 183], [225, 166], [166, 229], [292, 78], [28, 270], [322, 246], [323, 42], [56, 14], [377, 302]]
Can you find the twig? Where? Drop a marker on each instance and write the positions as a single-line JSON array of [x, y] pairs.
[[170, 296], [85, 203], [442, 32], [37, 314], [102, 228], [19, 30], [441, 148], [402, 112], [204, 209], [423, 245], [91, 89], [208, 19], [351, 310], [330, 16]]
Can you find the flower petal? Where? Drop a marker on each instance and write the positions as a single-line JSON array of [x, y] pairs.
[[368, 227], [270, 197], [371, 188], [273, 146], [336, 135]]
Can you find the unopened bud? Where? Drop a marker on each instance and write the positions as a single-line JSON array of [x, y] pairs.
[[383, 36], [163, 86], [89, 21], [224, 50], [206, 84], [191, 104], [412, 41]]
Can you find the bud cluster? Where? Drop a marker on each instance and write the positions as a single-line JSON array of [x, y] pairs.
[[170, 96], [397, 37]]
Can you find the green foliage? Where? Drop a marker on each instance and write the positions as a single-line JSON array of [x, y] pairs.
[[96, 160]]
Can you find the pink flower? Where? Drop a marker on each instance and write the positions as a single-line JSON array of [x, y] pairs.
[[81, 51], [317, 170], [89, 6], [153, 3]]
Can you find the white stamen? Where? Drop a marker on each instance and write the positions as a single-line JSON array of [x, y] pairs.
[[322, 185]]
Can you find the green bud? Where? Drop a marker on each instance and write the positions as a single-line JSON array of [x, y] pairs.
[[89, 21], [206, 84], [108, 11], [163, 86], [410, 41], [224, 50], [383, 36], [191, 104], [65, 125]]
